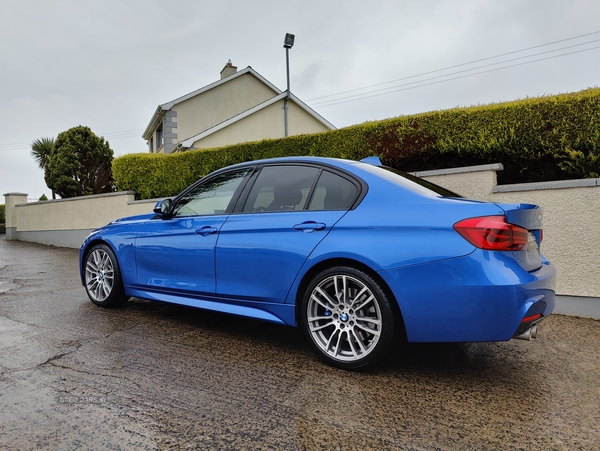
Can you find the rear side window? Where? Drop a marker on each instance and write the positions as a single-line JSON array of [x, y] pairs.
[[333, 193]]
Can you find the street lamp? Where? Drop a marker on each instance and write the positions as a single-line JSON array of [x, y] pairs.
[[288, 42]]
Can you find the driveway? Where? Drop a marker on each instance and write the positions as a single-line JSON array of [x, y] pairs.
[[156, 376]]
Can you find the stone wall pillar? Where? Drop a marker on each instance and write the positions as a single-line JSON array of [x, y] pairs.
[[10, 201]]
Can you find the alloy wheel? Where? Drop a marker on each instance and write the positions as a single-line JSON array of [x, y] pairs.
[[344, 318], [99, 275]]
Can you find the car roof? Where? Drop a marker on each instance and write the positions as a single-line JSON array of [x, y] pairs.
[[336, 162]]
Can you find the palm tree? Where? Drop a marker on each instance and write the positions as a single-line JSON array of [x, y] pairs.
[[42, 150]]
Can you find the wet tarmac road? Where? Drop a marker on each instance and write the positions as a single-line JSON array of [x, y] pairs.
[[155, 376]]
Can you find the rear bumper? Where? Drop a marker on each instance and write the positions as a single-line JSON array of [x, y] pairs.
[[483, 296]]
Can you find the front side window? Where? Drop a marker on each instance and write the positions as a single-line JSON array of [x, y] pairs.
[[281, 188], [212, 197]]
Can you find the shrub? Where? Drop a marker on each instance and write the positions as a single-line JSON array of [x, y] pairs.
[[80, 164]]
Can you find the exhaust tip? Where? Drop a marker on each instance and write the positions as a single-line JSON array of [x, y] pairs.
[[534, 331], [530, 333]]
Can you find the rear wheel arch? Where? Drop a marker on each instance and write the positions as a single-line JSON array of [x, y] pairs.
[[326, 264]]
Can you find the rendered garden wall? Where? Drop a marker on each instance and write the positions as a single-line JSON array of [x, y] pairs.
[[571, 208]]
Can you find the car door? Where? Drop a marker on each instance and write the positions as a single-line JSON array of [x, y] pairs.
[[177, 252], [288, 211]]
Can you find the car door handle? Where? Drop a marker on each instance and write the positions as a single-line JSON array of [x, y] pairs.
[[310, 226], [206, 230]]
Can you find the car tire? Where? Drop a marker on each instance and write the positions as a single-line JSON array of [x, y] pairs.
[[102, 276], [348, 318]]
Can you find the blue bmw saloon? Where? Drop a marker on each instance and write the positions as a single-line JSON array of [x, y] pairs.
[[353, 253]]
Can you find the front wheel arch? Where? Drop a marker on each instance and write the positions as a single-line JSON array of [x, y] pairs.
[[115, 294]]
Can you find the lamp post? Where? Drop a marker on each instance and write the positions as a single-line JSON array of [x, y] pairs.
[[288, 42]]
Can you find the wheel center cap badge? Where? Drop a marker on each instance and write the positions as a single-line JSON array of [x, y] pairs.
[[344, 317]]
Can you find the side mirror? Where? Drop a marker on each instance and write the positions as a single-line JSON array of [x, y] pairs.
[[163, 207]]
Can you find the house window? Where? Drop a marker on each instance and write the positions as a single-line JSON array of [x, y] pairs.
[[159, 136]]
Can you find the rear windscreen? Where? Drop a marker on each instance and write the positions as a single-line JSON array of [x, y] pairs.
[[413, 183]]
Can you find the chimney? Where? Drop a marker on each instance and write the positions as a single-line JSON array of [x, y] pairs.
[[228, 70]]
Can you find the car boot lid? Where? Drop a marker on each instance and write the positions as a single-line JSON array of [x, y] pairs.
[[528, 216]]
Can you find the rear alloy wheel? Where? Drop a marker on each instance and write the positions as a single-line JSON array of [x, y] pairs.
[[348, 318], [103, 281]]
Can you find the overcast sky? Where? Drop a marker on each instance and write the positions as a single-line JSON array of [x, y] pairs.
[[107, 64]]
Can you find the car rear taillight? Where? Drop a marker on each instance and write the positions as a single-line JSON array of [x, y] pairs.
[[492, 233]]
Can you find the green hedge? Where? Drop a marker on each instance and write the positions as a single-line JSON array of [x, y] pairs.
[[2, 214], [537, 139], [158, 175]]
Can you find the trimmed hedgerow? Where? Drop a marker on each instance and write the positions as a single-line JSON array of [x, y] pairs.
[[537, 139]]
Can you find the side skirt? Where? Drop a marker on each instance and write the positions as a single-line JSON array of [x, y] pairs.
[[266, 311]]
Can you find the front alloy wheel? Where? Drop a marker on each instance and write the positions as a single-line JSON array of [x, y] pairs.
[[348, 318], [103, 278]]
